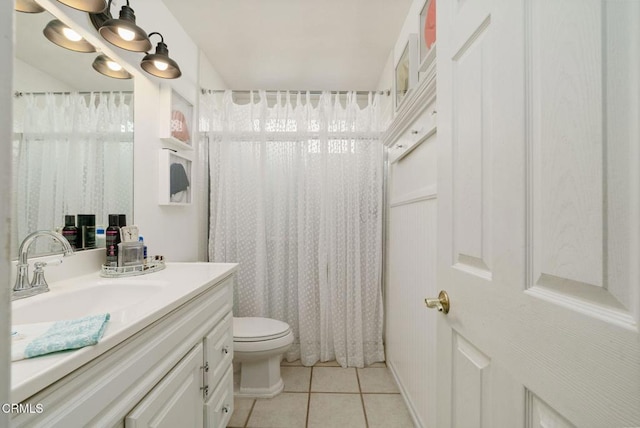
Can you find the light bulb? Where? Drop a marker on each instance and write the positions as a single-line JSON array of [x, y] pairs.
[[71, 34], [127, 35], [114, 65], [161, 65]]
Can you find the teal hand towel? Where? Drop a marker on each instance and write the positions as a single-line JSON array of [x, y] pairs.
[[32, 340]]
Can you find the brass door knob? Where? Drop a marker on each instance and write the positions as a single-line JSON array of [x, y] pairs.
[[441, 303]]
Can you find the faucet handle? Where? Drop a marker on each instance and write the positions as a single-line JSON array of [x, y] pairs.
[[38, 274]]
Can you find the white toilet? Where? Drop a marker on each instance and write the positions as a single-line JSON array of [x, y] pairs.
[[258, 345]]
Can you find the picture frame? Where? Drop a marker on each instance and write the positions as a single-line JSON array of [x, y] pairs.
[[427, 43], [177, 119], [406, 70], [175, 186]]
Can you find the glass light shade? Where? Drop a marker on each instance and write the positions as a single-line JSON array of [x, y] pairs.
[[160, 65], [28, 6], [124, 33], [91, 6], [105, 65], [65, 37]]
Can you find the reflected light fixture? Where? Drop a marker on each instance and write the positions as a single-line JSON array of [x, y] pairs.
[[91, 6], [28, 6], [159, 64], [105, 65], [63, 36], [124, 33]]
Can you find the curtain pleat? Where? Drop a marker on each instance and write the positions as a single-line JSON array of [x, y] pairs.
[[296, 199], [74, 155]]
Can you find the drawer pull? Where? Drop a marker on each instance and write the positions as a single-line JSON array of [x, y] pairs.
[[226, 409], [399, 146], [225, 350], [414, 131]]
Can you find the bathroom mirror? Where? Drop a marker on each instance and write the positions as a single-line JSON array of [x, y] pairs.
[[72, 136]]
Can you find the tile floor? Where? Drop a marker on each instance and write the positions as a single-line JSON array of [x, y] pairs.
[[327, 396]]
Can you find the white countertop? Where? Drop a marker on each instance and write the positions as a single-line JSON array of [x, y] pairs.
[[183, 281]]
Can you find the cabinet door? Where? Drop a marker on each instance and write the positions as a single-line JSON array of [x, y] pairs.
[[219, 408], [218, 350], [176, 400]]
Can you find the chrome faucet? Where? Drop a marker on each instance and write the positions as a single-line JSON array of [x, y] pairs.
[[38, 285]]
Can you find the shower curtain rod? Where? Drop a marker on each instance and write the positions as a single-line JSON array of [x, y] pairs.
[[273, 91], [19, 94]]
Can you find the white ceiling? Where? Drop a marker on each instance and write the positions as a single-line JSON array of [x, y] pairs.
[[294, 44]]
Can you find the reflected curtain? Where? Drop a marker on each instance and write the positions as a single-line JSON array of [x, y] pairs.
[[73, 153], [296, 199]]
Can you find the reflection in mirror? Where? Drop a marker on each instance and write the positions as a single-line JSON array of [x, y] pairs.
[[73, 136]]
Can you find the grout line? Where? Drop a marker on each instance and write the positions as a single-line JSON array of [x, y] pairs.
[[364, 410], [306, 424], [250, 412]]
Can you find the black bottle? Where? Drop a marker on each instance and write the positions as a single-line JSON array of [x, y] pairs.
[[112, 240], [70, 231], [86, 231]]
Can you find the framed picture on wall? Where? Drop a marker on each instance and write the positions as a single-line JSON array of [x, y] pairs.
[[177, 123], [176, 178], [406, 70], [427, 34]]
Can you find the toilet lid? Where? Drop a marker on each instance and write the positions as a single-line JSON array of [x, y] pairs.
[[255, 329]]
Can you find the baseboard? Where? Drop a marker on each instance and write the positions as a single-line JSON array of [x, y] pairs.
[[407, 400]]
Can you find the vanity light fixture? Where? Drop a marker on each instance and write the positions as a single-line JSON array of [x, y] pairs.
[[91, 6], [28, 6], [105, 65], [63, 36], [124, 33], [159, 64]]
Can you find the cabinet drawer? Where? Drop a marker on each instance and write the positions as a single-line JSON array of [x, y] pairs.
[[218, 350], [219, 408]]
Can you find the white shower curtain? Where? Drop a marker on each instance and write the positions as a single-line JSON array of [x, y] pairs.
[[73, 155], [296, 199]]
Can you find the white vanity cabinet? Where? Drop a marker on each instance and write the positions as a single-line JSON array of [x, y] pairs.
[[176, 371], [175, 401]]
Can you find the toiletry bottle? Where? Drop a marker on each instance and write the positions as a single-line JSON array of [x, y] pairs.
[[112, 240], [100, 237], [87, 230], [144, 253], [70, 231]]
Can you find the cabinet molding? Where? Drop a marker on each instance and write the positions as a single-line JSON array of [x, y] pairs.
[[412, 107]]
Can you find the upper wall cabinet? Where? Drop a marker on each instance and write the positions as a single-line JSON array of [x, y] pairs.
[[416, 115], [176, 119]]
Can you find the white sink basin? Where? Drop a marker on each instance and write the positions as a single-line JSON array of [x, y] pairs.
[[133, 302], [98, 297]]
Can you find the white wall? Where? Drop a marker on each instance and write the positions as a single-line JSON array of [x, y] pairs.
[[6, 61], [386, 84], [209, 77], [27, 78]]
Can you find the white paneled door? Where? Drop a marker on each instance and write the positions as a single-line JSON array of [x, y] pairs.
[[539, 213]]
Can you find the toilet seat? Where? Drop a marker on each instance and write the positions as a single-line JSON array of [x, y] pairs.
[[256, 329]]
